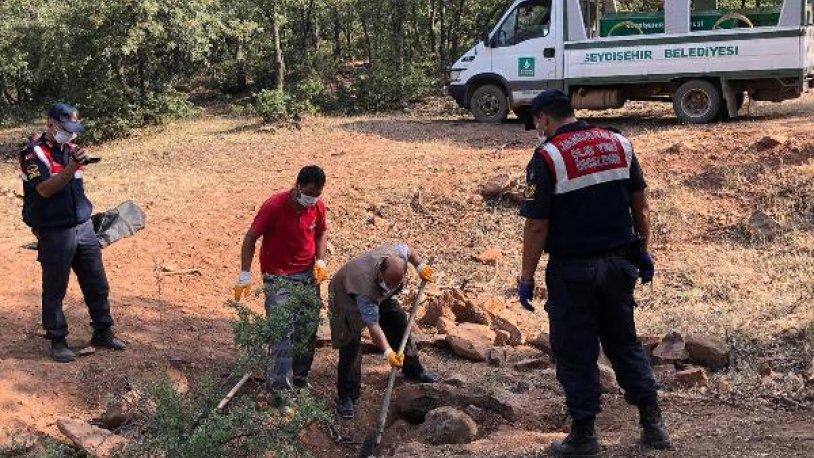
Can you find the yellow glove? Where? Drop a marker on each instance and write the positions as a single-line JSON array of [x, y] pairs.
[[426, 272], [396, 361], [243, 286], [320, 273]]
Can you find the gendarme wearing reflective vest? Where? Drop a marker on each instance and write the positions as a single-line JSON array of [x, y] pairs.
[[585, 205], [58, 211]]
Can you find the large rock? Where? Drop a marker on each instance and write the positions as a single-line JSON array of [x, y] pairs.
[[503, 402], [435, 309], [672, 349], [762, 226], [543, 342], [692, 377], [501, 338], [508, 441], [607, 380], [444, 325], [649, 343], [494, 306], [471, 341], [515, 336], [491, 256], [708, 352], [422, 341], [527, 364], [414, 401], [664, 374], [448, 425], [495, 186], [93, 440], [473, 313]]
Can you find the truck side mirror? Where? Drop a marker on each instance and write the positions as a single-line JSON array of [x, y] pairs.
[[485, 38]]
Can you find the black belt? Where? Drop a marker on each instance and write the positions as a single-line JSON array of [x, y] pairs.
[[617, 252]]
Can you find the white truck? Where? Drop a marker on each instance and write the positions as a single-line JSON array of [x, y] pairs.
[[545, 44]]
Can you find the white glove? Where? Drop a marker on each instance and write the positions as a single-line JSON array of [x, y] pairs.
[[244, 279]]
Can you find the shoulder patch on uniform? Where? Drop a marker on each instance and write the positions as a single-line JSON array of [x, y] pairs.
[[33, 171]]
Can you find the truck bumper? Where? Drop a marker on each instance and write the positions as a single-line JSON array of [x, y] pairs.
[[458, 92]]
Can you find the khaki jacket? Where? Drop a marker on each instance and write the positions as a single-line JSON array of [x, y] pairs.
[[358, 277]]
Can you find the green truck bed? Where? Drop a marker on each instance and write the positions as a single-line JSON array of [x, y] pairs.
[[620, 24]]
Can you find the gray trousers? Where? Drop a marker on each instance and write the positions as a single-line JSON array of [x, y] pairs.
[[288, 370], [60, 251]]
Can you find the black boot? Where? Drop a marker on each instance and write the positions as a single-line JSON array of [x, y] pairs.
[[344, 407], [104, 338], [581, 441], [654, 434], [60, 351]]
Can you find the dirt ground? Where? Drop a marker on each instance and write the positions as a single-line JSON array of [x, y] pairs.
[[410, 177]]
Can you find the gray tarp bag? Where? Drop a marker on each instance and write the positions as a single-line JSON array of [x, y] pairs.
[[119, 223]]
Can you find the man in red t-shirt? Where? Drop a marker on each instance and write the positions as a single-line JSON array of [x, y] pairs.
[[294, 229]]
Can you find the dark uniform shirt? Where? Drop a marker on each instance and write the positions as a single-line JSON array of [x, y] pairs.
[[580, 180], [68, 207]]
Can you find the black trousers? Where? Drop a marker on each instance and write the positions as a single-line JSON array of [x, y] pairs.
[[590, 300], [393, 321], [59, 252]]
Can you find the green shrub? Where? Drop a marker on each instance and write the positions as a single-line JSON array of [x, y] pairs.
[[274, 105], [271, 105], [190, 427]]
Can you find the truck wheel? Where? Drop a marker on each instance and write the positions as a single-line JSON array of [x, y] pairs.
[[489, 104], [697, 102]]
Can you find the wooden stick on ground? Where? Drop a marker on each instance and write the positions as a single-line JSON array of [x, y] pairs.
[[234, 391]]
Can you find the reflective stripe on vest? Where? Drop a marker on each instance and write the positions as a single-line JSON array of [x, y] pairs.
[[46, 156], [586, 158]]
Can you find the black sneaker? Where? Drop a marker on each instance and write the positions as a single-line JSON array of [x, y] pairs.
[[60, 351], [104, 338], [344, 407]]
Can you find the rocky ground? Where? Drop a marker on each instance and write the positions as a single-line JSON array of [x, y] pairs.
[[733, 219]]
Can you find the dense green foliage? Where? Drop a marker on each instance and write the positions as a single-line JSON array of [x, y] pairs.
[[129, 63], [190, 427]]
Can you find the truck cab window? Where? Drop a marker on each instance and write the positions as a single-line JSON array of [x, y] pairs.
[[529, 20]]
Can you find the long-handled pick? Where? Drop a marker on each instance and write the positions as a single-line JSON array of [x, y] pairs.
[[373, 439]]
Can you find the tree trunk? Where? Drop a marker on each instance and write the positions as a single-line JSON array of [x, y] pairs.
[[366, 30], [241, 79], [279, 60], [337, 33]]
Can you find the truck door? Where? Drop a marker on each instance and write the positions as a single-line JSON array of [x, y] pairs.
[[526, 52]]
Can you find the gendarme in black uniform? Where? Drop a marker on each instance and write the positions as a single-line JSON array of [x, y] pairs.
[[66, 239], [582, 181]]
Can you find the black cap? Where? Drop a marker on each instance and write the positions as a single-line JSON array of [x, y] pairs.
[[541, 101], [68, 118]]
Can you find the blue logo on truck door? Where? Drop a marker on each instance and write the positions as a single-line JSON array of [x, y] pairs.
[[525, 66]]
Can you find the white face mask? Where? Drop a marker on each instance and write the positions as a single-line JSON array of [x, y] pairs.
[[387, 291], [62, 137], [305, 200]]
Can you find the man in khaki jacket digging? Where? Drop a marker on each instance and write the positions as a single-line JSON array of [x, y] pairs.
[[363, 293]]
